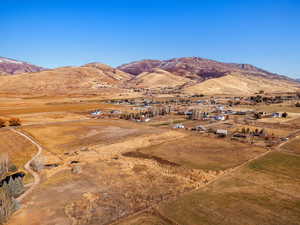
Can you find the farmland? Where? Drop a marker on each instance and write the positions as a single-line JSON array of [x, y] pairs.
[[251, 198], [104, 163]]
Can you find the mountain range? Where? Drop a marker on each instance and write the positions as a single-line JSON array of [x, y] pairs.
[[191, 75], [196, 68]]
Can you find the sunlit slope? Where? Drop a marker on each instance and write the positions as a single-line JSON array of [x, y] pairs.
[[90, 78], [158, 78], [235, 84]]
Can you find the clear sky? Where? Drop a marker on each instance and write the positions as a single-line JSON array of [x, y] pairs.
[[55, 33]]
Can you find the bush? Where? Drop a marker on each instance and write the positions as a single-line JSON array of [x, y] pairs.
[[12, 168], [2, 123], [14, 122], [37, 164]]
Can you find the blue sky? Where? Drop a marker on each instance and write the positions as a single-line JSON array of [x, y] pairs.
[[55, 33]]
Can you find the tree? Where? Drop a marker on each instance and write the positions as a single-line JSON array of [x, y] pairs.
[[7, 205], [3, 164], [257, 116], [17, 187], [14, 122], [284, 115]]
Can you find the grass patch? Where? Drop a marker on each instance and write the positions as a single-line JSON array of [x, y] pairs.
[[278, 163], [293, 146], [233, 201], [205, 153]]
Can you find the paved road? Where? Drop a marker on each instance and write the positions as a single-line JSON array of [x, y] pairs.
[[35, 175]]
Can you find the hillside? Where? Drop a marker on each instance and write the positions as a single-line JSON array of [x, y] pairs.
[[196, 68], [157, 78], [11, 66], [91, 78], [237, 84], [190, 75]]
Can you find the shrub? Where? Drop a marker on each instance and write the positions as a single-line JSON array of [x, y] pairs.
[[2, 123], [12, 168], [14, 122], [37, 164]]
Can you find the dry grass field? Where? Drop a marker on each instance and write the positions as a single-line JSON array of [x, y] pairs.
[[110, 185], [41, 107], [145, 219], [205, 153], [19, 149], [66, 136], [126, 167], [293, 146], [266, 192]]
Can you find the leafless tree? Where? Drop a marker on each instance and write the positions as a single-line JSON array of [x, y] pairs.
[[4, 161], [7, 205]]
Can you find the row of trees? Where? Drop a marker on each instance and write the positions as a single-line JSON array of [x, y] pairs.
[[151, 112], [10, 188], [8, 192], [10, 122], [4, 162], [7, 205]]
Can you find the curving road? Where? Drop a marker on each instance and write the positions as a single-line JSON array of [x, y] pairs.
[[35, 175]]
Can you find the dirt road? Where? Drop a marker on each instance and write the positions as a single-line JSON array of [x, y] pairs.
[[35, 175]]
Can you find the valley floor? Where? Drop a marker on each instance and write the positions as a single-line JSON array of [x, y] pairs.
[[113, 171]]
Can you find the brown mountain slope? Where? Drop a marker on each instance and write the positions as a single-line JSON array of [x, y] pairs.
[[158, 78], [91, 78], [196, 68], [11, 66], [237, 84]]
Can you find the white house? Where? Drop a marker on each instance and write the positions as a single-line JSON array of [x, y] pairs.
[[178, 126]]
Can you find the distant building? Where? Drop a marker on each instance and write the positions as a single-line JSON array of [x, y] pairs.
[[178, 126], [96, 112], [219, 117], [200, 128], [221, 132], [115, 112], [276, 115]]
